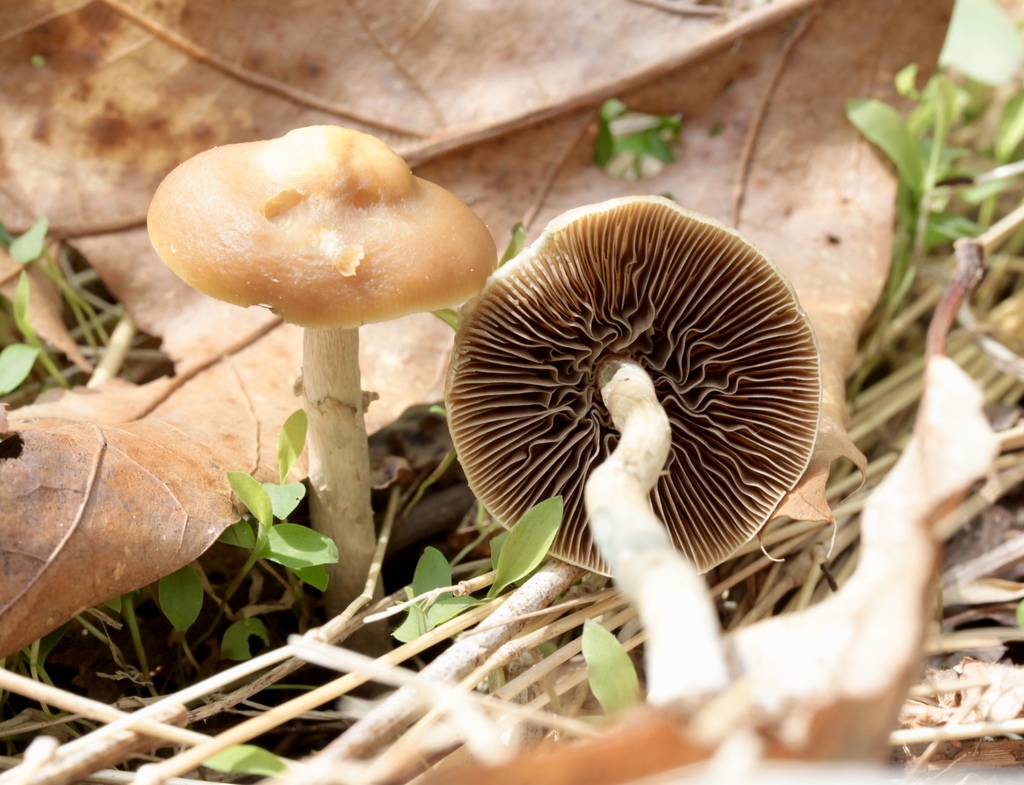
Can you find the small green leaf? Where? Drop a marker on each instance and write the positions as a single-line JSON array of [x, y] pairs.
[[1011, 129], [290, 442], [497, 543], [16, 363], [315, 576], [239, 534], [30, 245], [254, 497], [947, 227], [449, 316], [235, 643], [296, 546], [982, 42], [21, 297], [884, 127], [516, 240], [284, 498], [181, 597], [613, 678], [414, 626], [51, 639], [527, 544], [605, 145], [432, 572], [977, 194], [246, 759], [1020, 614], [906, 80]]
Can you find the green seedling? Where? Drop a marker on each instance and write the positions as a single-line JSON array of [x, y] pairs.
[[515, 555], [31, 248], [432, 583], [611, 672], [235, 643], [246, 759], [16, 363], [634, 145], [525, 547], [267, 534]]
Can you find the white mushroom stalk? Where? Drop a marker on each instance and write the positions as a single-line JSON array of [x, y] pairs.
[[339, 457], [685, 658]]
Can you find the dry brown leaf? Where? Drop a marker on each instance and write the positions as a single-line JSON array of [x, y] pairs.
[[984, 591], [124, 501], [94, 117], [830, 680], [532, 173]]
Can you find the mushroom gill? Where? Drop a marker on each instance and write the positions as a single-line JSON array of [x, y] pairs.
[[719, 330]]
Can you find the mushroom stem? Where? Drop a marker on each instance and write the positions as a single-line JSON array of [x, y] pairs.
[[339, 460], [685, 657]]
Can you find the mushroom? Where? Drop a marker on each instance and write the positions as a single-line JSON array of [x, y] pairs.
[[329, 229], [637, 351]]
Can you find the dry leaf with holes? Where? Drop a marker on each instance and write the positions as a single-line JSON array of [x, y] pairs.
[[804, 173], [130, 501]]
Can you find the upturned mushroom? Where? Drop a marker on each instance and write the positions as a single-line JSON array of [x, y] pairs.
[[329, 229], [654, 369]]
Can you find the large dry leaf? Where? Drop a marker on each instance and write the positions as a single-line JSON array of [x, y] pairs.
[[98, 506], [530, 173], [95, 117]]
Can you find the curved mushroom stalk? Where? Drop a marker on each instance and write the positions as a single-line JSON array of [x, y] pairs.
[[685, 658]]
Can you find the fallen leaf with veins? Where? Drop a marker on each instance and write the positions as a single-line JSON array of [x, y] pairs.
[[752, 92], [92, 117], [131, 500]]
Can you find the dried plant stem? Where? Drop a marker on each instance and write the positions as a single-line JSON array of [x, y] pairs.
[[412, 743], [685, 658], [114, 354], [339, 461], [245, 731], [378, 728]]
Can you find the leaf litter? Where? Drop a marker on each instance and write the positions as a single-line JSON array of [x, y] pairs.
[[707, 173]]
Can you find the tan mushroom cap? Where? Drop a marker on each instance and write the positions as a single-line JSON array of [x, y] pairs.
[[732, 356], [326, 226]]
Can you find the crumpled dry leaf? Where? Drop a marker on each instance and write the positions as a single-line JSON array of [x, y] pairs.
[[983, 591], [131, 499], [990, 692], [832, 679]]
